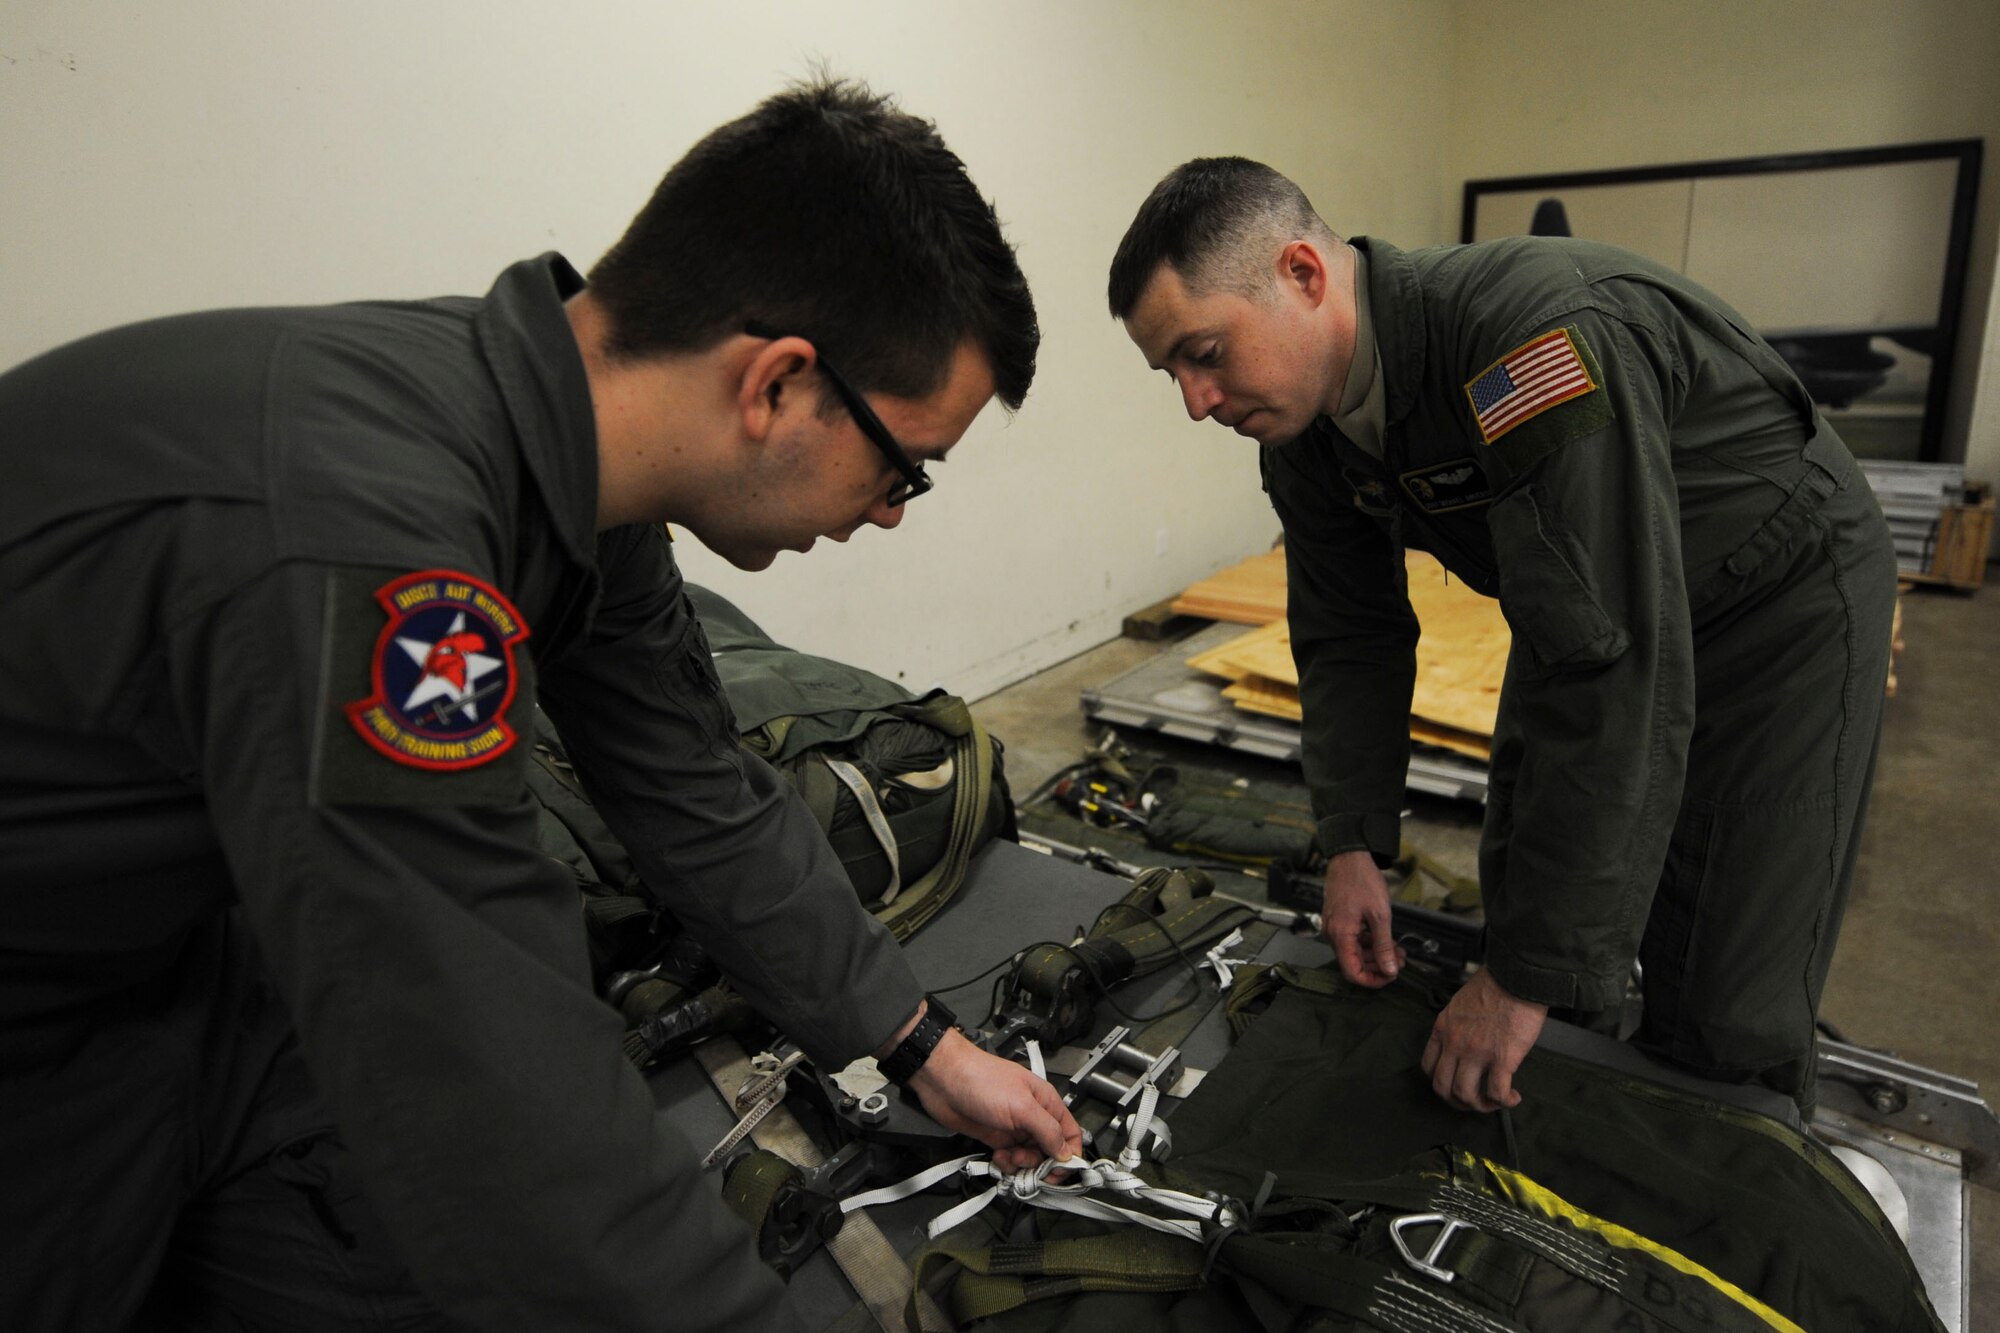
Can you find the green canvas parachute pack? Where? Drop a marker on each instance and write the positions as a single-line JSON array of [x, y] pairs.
[[906, 787], [1359, 1200]]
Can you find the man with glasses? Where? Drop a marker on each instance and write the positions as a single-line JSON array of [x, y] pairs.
[[296, 1028]]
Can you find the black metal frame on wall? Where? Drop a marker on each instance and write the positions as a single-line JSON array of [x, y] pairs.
[[1851, 263]]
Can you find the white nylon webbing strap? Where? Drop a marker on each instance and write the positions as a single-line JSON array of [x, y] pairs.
[[1132, 1153], [871, 810], [957, 1213], [916, 1184], [1035, 1065], [1032, 1187], [1225, 968]]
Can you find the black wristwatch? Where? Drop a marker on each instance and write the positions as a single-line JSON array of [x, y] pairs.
[[901, 1065]]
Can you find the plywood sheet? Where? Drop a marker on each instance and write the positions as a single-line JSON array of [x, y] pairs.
[[1451, 738], [1254, 694], [1461, 659], [1462, 656], [1235, 660], [1249, 593]]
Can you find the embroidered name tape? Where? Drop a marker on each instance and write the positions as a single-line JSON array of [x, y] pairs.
[[1541, 373], [443, 672]]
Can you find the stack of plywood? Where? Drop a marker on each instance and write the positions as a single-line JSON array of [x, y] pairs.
[[1461, 656], [1252, 593], [1895, 639]]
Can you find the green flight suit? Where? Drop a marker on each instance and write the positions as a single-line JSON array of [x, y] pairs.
[[201, 520], [1699, 584]]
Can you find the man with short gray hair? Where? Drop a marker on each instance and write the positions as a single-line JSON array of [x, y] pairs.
[[1698, 580]]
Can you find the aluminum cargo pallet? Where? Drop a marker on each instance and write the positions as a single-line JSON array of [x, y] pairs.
[[1166, 695]]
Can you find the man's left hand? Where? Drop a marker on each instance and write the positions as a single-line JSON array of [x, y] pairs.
[[1478, 1042], [998, 1102]]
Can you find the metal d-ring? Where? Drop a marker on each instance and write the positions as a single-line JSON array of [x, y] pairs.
[[1428, 1265]]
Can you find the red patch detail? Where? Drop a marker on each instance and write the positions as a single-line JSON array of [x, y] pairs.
[[444, 672]]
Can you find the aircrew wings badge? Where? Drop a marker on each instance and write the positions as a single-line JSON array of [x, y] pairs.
[[443, 671], [1541, 373]]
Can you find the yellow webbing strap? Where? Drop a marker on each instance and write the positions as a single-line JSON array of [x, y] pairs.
[[1532, 1197], [1005, 1277]]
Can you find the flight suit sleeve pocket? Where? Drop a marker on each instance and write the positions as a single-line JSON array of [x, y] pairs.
[[1547, 589], [688, 675]]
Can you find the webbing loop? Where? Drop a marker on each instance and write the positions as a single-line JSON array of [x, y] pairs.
[[878, 822]]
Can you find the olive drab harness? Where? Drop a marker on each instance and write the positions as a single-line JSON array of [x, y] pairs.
[[1458, 1245], [1457, 1240], [1168, 915]]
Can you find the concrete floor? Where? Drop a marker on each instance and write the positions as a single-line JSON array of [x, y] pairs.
[[1917, 970]]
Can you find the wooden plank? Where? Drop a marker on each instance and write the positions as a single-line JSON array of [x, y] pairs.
[[1964, 535], [1155, 622]]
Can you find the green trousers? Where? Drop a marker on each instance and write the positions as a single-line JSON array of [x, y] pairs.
[[1791, 665]]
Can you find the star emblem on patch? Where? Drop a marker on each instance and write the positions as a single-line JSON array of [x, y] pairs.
[[452, 667], [443, 671]]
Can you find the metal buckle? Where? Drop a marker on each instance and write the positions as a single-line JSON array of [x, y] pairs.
[[1428, 1265]]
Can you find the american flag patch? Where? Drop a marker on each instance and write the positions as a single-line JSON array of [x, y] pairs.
[[1527, 381]]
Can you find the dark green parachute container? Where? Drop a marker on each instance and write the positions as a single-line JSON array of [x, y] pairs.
[[906, 789], [1606, 1200]]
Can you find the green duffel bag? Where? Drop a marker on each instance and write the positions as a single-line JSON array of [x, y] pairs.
[[1360, 1201]]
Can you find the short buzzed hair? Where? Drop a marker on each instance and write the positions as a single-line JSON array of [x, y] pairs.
[[1219, 221]]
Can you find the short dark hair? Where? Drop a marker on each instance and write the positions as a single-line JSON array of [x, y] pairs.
[[1203, 219], [829, 213]]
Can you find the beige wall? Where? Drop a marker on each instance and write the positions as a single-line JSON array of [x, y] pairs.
[[162, 158], [213, 152], [1549, 87]]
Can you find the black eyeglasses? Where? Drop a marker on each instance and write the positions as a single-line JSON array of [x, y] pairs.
[[915, 481]]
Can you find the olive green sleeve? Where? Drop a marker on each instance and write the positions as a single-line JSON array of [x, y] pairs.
[[1600, 685], [1354, 639], [434, 964], [721, 838]]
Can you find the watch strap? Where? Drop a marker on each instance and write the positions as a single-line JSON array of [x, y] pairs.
[[902, 1064]]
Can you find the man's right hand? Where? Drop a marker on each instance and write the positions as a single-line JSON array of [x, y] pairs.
[[998, 1102], [1355, 906]]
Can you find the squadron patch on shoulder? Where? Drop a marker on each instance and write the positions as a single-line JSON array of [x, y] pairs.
[[443, 672], [1544, 372]]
